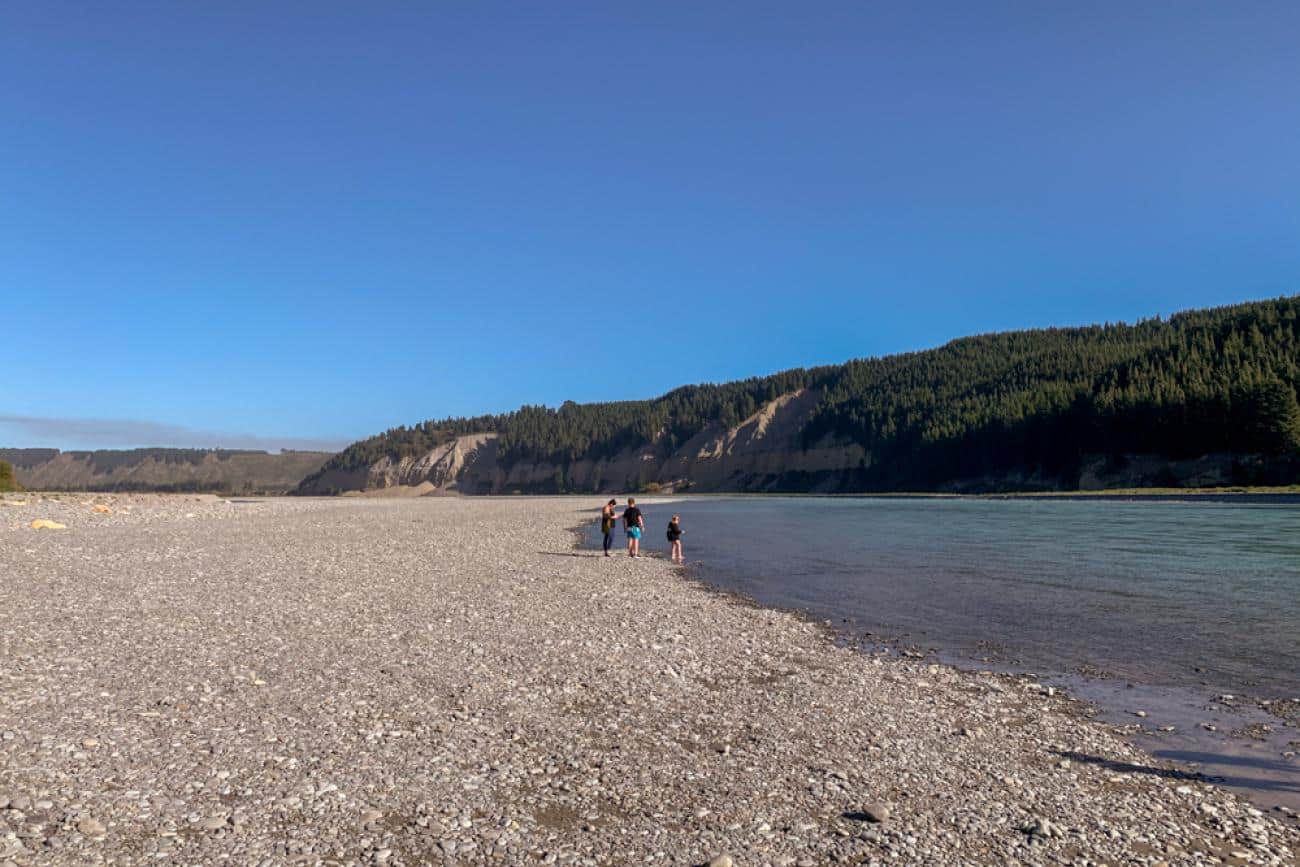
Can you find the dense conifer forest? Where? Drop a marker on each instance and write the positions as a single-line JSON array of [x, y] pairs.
[[1208, 381]]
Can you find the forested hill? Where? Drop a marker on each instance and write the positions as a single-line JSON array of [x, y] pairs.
[[1206, 396], [162, 469]]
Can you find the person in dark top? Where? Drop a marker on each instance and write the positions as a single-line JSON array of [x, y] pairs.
[[675, 532], [607, 522], [634, 524]]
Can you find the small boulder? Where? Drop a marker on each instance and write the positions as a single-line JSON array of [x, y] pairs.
[[876, 812]]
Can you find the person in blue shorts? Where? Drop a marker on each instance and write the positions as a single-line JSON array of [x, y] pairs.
[[634, 524]]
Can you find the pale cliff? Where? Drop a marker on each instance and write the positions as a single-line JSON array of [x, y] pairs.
[[762, 453]]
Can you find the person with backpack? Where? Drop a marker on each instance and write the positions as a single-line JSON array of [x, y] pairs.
[[675, 532], [607, 522], [634, 525]]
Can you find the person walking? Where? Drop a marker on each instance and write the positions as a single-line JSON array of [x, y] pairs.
[[607, 522], [634, 525], [675, 532]]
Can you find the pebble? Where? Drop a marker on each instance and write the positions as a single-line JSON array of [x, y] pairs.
[[91, 827], [722, 860]]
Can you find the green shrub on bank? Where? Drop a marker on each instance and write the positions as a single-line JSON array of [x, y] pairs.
[[8, 482]]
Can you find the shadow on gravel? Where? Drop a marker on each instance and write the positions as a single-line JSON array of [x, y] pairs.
[[859, 817], [651, 555], [1130, 768], [1263, 784], [1287, 770]]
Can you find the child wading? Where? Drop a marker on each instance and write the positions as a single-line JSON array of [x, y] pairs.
[[607, 521], [675, 538], [634, 524]]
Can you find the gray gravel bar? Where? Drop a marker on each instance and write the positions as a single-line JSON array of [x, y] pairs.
[[448, 681]]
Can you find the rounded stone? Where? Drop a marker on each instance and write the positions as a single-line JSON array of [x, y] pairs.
[[876, 812]]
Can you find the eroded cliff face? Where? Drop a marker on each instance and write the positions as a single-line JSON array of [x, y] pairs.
[[762, 453]]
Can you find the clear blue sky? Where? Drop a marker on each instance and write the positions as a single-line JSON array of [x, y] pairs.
[[313, 221]]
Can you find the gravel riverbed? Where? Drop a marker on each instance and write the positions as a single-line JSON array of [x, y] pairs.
[[448, 681]]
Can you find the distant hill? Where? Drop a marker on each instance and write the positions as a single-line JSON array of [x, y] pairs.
[[165, 470], [1204, 397]]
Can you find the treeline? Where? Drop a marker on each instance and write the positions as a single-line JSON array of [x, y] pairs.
[[575, 431], [401, 442], [600, 430], [1032, 402], [1202, 382]]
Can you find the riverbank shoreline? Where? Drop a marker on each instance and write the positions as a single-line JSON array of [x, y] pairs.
[[1263, 496], [448, 681], [1229, 736]]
